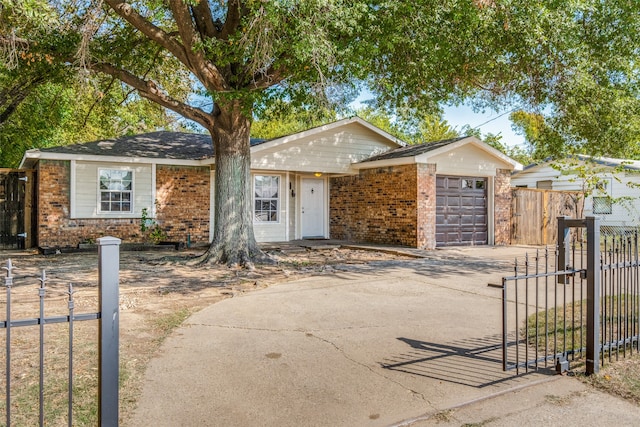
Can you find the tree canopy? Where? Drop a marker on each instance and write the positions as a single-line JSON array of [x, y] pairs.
[[44, 102], [568, 60]]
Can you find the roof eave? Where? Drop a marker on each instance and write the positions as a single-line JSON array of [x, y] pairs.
[[398, 161], [28, 162], [31, 157]]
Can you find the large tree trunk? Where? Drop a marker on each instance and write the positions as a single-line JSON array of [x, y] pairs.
[[233, 239]]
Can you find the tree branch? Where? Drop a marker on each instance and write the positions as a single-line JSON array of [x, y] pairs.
[[204, 20], [206, 72], [149, 89], [235, 12], [125, 11], [268, 78], [12, 97], [93, 105]]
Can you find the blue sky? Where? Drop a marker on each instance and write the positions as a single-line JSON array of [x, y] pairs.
[[488, 122]]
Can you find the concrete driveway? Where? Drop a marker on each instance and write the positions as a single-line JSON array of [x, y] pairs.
[[381, 344]]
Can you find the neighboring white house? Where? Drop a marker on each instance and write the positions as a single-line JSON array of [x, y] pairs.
[[611, 186]]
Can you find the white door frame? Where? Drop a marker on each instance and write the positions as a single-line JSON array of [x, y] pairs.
[[324, 207]]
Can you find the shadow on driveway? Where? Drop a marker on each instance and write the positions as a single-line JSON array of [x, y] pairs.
[[475, 362]]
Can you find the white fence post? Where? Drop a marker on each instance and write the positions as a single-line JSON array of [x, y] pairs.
[[109, 358]]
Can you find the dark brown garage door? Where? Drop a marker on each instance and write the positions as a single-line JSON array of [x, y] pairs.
[[461, 211]]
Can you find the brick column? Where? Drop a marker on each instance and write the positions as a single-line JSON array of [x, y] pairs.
[[426, 220], [502, 207]]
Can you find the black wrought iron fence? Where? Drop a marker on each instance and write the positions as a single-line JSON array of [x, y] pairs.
[[108, 337], [620, 290], [579, 300]]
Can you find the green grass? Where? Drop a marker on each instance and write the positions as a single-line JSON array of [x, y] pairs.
[[168, 322], [619, 376], [25, 372], [566, 325], [25, 381]]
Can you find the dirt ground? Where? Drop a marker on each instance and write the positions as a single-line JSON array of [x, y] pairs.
[[158, 290]]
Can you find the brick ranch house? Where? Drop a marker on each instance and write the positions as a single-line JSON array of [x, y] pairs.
[[345, 180]]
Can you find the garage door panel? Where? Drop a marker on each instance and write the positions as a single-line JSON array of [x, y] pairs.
[[473, 238], [461, 211], [453, 203], [468, 220]]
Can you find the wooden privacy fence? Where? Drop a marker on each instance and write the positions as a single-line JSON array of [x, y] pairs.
[[534, 213]]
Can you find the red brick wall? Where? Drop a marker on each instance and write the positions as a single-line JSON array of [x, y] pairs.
[[427, 206], [183, 196], [55, 227], [182, 192], [385, 205], [502, 207]]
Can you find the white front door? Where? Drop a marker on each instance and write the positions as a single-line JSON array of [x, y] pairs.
[[312, 208]]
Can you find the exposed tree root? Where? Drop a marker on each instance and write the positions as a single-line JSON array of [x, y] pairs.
[[243, 258]]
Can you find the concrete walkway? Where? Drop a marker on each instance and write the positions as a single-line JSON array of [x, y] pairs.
[[392, 343]]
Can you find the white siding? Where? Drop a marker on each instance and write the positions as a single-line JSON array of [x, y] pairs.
[[292, 217], [266, 232], [558, 180], [625, 210], [332, 151], [87, 193], [273, 231], [468, 160]]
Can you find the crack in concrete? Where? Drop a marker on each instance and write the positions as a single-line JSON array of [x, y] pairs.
[[309, 333], [251, 328], [352, 360]]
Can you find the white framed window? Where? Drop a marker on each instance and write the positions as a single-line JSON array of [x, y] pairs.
[[115, 191], [602, 205], [603, 185], [602, 202], [266, 198]]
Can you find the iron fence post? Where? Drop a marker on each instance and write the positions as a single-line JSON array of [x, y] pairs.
[[563, 247], [109, 360], [8, 282], [593, 295], [504, 324]]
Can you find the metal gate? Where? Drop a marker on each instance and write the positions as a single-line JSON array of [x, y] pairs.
[[16, 208], [577, 301], [108, 370]]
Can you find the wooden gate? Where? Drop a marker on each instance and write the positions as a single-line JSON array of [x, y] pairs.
[[534, 213], [17, 220]]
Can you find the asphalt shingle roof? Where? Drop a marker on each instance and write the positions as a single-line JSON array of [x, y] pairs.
[[413, 150], [158, 145]]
